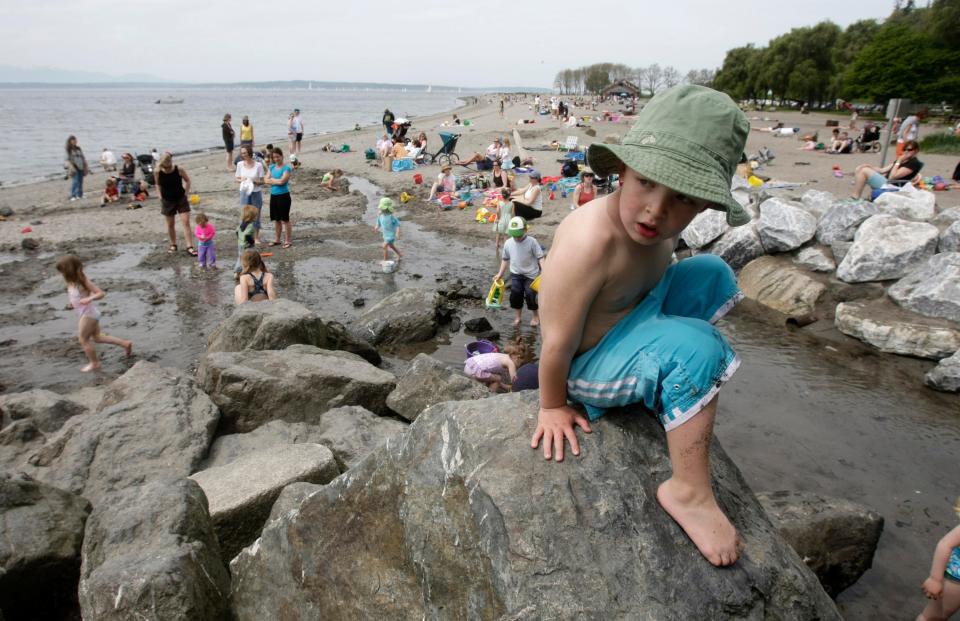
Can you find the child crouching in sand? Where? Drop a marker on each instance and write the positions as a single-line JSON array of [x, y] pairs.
[[111, 193], [621, 325], [498, 370], [82, 294], [943, 585]]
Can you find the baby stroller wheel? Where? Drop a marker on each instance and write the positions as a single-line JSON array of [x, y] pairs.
[[453, 158], [875, 147], [443, 159], [426, 158]]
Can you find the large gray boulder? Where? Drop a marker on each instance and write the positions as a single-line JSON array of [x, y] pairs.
[[886, 248], [908, 204], [946, 217], [462, 520], [932, 289], [150, 553], [291, 497], [891, 329], [704, 228], [428, 381], [946, 375], [241, 493], [780, 285], [815, 259], [950, 239], [297, 384], [276, 324], [48, 410], [783, 226], [817, 202], [41, 531], [351, 432], [841, 221], [738, 246], [153, 423], [407, 316], [835, 537]]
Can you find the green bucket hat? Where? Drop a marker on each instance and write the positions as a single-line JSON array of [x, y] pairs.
[[386, 204], [688, 138]]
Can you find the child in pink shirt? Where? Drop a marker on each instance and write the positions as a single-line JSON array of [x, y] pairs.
[[206, 253]]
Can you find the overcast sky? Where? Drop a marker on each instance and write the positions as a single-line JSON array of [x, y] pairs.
[[494, 43]]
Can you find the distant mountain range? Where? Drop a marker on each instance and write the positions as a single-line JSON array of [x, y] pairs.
[[19, 76]]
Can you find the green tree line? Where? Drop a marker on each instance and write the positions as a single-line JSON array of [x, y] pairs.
[[914, 53], [594, 78]]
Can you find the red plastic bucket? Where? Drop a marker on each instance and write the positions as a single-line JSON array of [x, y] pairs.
[[418, 178]]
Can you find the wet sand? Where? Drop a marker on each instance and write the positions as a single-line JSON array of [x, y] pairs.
[[809, 409]]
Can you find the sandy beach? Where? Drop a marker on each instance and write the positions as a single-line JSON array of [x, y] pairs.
[[810, 410]]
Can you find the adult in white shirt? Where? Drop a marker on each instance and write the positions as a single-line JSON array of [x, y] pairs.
[[250, 177], [485, 162], [108, 160]]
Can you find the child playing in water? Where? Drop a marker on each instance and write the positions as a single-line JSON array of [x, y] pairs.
[[504, 215], [111, 193], [331, 180], [524, 256], [246, 233], [82, 294], [206, 252], [622, 325], [256, 282], [389, 226], [943, 585], [498, 370]]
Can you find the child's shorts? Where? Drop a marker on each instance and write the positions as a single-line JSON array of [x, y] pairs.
[[665, 354]]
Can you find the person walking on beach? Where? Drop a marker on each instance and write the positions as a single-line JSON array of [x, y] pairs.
[[389, 226], [83, 293], [228, 134], [280, 200], [250, 174], [523, 255], [388, 121], [246, 132], [77, 167], [174, 184], [296, 126]]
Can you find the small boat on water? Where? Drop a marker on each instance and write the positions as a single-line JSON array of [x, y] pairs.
[[169, 100]]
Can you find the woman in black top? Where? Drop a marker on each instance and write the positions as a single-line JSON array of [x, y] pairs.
[[228, 134], [388, 121], [77, 165], [174, 184], [900, 172]]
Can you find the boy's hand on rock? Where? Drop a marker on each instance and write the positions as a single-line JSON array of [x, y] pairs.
[[555, 424]]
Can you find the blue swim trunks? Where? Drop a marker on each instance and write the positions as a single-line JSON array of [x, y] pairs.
[[953, 566], [665, 354]]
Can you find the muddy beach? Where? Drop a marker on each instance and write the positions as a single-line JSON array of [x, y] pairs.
[[809, 410]]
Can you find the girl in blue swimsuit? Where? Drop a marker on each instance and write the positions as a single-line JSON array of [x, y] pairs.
[[942, 588]]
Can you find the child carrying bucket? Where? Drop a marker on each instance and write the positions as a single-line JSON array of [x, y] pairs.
[[389, 226], [524, 256]]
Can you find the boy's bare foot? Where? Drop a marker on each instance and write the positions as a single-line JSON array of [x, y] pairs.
[[128, 348], [535, 322], [516, 322], [703, 521], [90, 367]]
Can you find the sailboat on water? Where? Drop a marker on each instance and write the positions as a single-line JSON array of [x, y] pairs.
[[310, 86], [429, 88]]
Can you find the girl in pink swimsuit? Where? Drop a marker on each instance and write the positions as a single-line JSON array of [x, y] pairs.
[[496, 369], [82, 294]]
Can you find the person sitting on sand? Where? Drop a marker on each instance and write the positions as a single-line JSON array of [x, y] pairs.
[[528, 201], [523, 255], [485, 162], [256, 282], [445, 182], [108, 160], [110, 192], [903, 169], [331, 180], [623, 324], [842, 144]]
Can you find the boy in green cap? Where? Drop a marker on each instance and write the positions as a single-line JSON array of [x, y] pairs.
[[621, 325], [389, 226]]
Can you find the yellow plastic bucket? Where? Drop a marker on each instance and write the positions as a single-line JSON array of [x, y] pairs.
[[535, 285]]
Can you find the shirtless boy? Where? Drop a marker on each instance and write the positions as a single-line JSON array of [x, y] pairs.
[[622, 325]]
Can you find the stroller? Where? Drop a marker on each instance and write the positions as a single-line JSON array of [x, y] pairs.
[[868, 140], [445, 155], [145, 162]]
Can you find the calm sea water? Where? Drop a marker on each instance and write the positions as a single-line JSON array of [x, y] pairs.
[[35, 122]]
